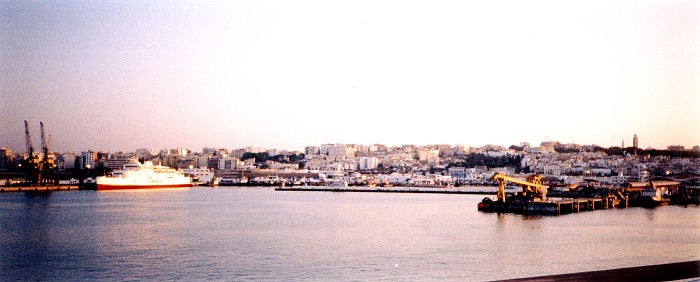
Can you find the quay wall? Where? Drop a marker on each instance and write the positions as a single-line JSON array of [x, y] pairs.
[[49, 188]]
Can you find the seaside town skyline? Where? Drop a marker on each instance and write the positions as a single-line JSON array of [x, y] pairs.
[[35, 139], [436, 165], [34, 133]]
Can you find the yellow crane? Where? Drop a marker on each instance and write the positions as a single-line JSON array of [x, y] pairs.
[[532, 186]]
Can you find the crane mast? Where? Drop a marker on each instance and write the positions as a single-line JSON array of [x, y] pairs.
[[43, 139], [37, 171], [31, 165], [30, 149], [47, 164]]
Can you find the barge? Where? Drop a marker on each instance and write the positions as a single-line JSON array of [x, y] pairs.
[[533, 199]]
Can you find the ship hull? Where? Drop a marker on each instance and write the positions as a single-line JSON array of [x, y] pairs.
[[102, 187], [648, 202]]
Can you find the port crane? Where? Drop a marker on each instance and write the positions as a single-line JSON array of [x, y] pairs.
[[47, 163], [532, 186], [31, 165], [38, 171]]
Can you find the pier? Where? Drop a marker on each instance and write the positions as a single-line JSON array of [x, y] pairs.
[[48, 188], [564, 206], [553, 206], [533, 199]]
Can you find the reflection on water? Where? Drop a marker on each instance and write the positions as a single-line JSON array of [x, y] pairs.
[[257, 233], [37, 199], [146, 191], [649, 214]]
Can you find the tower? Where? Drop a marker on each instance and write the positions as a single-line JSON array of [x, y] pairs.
[[623, 144], [635, 143]]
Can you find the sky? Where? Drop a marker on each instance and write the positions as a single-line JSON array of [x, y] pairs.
[[123, 75]]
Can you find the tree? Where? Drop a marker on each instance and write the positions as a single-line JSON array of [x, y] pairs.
[[476, 159]]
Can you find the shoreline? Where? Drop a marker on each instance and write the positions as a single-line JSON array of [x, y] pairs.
[[657, 272]]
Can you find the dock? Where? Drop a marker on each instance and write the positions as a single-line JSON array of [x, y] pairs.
[[48, 188], [564, 206], [533, 199], [552, 206]]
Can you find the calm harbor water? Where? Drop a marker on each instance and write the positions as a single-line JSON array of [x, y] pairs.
[[261, 234]]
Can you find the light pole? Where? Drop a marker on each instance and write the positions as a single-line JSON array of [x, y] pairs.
[[87, 166]]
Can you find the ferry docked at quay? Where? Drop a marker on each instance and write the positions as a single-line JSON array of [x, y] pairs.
[[135, 175]]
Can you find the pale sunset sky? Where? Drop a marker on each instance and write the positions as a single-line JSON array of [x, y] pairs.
[[122, 75]]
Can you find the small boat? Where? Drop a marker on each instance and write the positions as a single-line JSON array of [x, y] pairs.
[[653, 197]]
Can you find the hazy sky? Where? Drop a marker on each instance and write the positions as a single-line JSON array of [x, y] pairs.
[[122, 75]]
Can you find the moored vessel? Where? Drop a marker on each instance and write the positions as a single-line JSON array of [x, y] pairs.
[[653, 197], [143, 176]]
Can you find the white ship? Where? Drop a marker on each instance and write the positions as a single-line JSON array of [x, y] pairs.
[[143, 176]]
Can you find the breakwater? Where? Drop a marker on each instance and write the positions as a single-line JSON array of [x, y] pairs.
[[389, 190]]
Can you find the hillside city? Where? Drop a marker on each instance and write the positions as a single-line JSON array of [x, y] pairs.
[[406, 165]]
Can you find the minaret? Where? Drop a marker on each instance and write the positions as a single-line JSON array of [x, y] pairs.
[[635, 143]]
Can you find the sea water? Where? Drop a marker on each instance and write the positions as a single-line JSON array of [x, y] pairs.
[[258, 233]]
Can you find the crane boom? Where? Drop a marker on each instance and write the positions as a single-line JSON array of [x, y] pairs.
[[30, 149], [532, 185], [44, 146], [47, 164]]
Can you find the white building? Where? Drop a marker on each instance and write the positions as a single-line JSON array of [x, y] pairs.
[[145, 154], [503, 170], [118, 162], [429, 156], [459, 174], [228, 163], [496, 153], [87, 159], [557, 169], [277, 165], [66, 161], [255, 150], [368, 163], [312, 150], [323, 150], [337, 151]]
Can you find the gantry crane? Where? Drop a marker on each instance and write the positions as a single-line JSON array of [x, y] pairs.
[[532, 186]]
